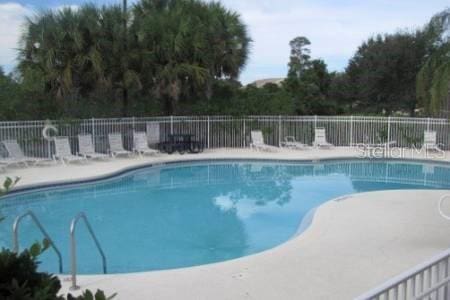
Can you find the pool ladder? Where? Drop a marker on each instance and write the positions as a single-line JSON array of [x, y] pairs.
[[73, 247], [43, 231], [73, 254]]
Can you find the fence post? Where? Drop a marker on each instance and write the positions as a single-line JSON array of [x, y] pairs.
[[315, 127], [49, 149], [171, 124], [93, 130], [428, 124], [279, 131], [351, 131], [208, 133], [130, 138], [388, 133], [243, 136]]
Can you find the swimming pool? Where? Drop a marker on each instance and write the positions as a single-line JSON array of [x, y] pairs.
[[193, 213]]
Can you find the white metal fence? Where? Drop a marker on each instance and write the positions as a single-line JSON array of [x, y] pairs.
[[429, 280], [234, 132]]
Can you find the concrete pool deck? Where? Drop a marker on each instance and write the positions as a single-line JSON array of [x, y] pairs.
[[352, 245]]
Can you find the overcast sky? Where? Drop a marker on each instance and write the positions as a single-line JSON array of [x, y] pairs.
[[334, 27]]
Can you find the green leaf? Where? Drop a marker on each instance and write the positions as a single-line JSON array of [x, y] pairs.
[[87, 295], [7, 183], [45, 244], [35, 249], [100, 295]]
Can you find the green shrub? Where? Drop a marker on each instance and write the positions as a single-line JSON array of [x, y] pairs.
[[19, 278], [87, 295]]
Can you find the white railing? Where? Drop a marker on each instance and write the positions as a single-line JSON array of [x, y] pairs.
[[226, 131], [429, 280]]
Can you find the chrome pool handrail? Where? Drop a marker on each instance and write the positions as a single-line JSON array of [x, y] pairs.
[[43, 231], [73, 249]]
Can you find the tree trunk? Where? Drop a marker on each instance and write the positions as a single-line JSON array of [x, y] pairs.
[[168, 106], [125, 103]]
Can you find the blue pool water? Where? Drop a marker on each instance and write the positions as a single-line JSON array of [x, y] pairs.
[[188, 214]]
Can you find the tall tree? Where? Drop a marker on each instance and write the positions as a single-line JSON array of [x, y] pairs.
[[186, 45], [169, 40], [121, 76], [9, 94], [307, 80], [433, 80], [229, 44], [300, 56], [63, 46], [383, 72], [78, 52]]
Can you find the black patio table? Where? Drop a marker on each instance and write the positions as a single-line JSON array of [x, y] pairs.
[[181, 143]]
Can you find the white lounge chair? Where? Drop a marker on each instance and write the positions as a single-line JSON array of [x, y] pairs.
[[140, 144], [15, 153], [63, 152], [429, 141], [86, 148], [153, 133], [257, 142], [116, 145], [6, 162], [291, 142], [9, 161], [320, 139]]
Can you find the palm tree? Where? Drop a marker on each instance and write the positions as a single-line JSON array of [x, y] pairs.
[[164, 49], [120, 77], [167, 37], [79, 51], [64, 46], [185, 45], [229, 44]]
